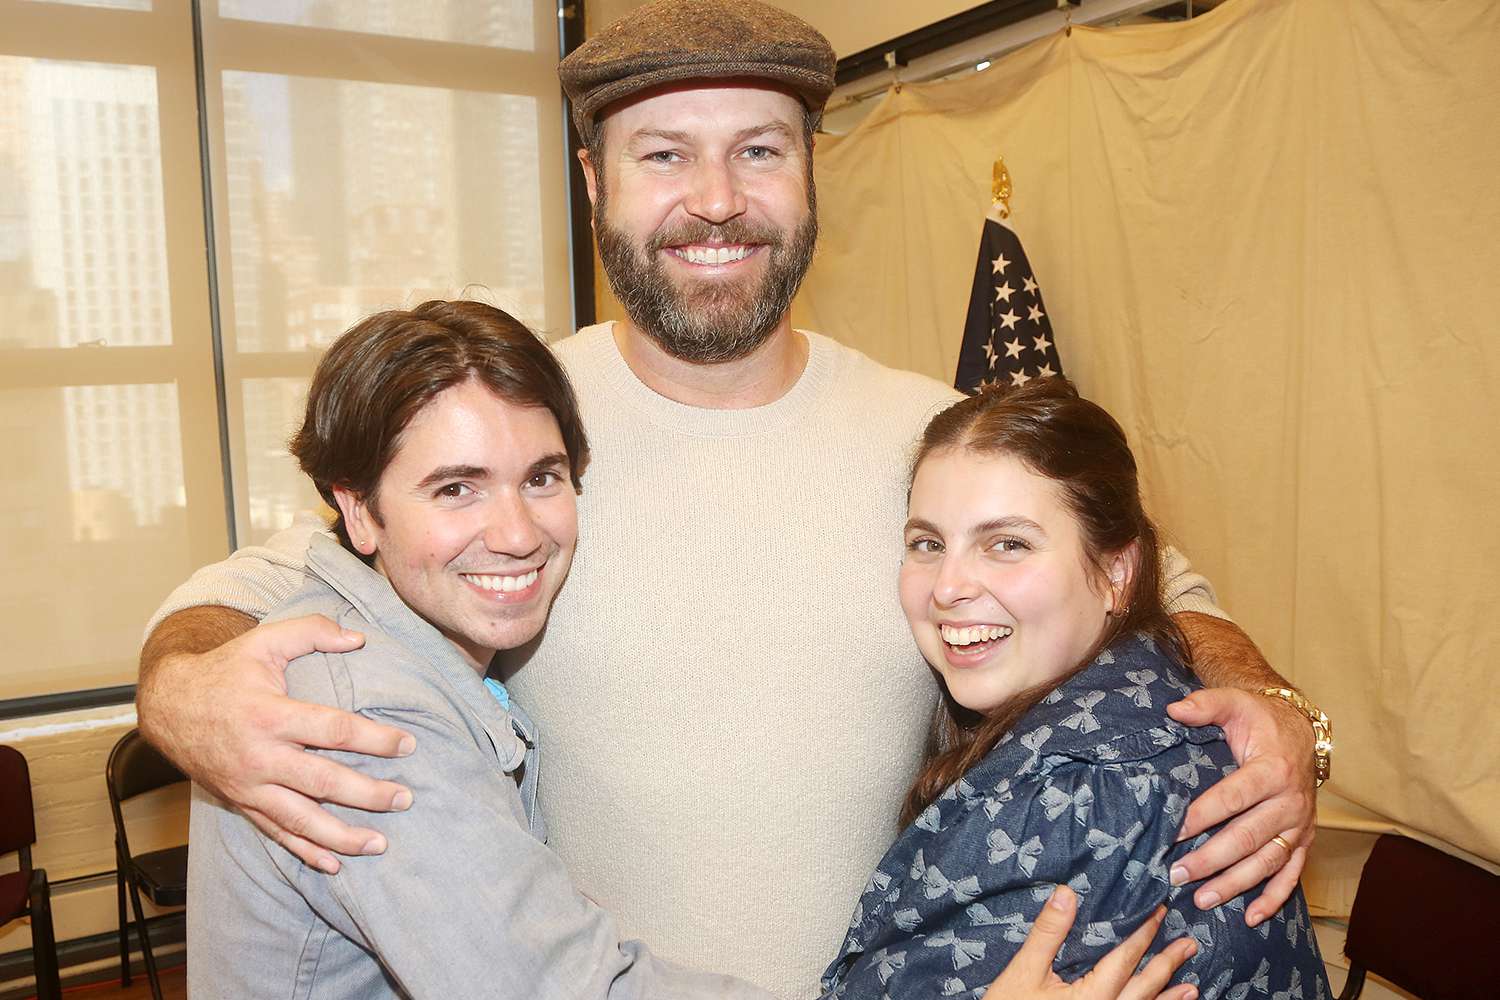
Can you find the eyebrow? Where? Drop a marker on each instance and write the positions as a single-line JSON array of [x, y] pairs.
[[445, 472], [670, 135], [675, 135], [1012, 523], [547, 463], [773, 126]]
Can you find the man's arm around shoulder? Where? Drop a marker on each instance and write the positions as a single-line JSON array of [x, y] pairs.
[[212, 697], [1272, 797]]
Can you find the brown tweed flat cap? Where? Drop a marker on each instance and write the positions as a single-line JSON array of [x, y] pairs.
[[671, 40]]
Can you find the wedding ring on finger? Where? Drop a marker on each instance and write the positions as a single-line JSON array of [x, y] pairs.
[[1279, 839]]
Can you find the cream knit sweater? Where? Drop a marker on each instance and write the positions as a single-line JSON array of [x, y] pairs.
[[730, 702]]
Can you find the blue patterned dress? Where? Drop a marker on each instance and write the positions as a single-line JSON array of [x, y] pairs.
[[1089, 789]]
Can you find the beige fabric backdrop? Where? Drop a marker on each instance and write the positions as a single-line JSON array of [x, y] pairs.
[[1267, 239]]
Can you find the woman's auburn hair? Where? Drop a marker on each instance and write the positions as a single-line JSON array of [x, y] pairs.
[[1059, 435]]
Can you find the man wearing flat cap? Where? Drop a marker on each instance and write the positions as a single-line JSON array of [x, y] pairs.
[[732, 703]]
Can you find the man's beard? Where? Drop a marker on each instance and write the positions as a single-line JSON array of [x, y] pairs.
[[706, 322]]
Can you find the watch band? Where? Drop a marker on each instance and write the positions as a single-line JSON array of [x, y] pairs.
[[1322, 727]]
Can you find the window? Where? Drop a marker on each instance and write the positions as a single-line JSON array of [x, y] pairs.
[[361, 155]]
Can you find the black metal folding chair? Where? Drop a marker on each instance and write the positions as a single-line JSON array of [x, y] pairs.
[[135, 768]]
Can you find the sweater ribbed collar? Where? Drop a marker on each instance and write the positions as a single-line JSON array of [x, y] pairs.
[[594, 351]]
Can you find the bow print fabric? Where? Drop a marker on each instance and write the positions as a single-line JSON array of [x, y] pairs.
[[1088, 789]]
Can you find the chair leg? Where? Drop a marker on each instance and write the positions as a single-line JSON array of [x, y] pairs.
[[124, 921], [1354, 984], [43, 940], [140, 926]]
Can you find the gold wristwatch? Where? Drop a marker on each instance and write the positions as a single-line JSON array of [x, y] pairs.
[[1322, 727]]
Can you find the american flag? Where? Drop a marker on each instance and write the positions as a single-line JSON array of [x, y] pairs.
[[1007, 336]]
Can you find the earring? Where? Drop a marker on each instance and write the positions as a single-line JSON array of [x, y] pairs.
[[1119, 612]]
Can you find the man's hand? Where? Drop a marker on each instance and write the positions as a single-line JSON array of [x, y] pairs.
[[1030, 975], [224, 718], [1273, 794]]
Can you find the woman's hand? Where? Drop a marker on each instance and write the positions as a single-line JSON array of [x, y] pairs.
[[1030, 975]]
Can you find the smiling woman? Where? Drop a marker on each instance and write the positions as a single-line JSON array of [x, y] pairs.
[[999, 604], [1030, 583], [1024, 517]]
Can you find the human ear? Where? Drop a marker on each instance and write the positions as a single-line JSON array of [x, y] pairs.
[[1121, 571], [590, 178], [358, 522]]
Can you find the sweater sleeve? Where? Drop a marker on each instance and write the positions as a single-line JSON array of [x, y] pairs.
[[1183, 589], [253, 580], [969, 900]]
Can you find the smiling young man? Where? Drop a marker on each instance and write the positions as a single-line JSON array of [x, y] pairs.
[[737, 704], [448, 440]]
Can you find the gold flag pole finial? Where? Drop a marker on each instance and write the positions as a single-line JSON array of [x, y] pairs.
[[1000, 189]]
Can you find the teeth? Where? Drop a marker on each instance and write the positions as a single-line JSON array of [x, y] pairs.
[[504, 584], [974, 633], [712, 255]]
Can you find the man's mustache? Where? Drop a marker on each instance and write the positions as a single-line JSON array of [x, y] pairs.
[[734, 231]]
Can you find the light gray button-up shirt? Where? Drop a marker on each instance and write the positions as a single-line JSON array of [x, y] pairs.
[[467, 901]]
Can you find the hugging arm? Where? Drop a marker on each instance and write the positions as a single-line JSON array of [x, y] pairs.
[[212, 697], [1029, 974], [467, 903], [1274, 791], [957, 913]]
